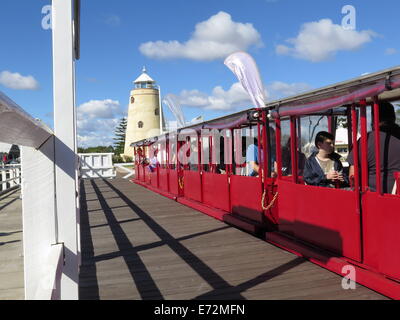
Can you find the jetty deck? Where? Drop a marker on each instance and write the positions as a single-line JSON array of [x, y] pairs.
[[11, 250], [139, 245]]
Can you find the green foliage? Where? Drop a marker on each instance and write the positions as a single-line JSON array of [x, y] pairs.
[[117, 158], [98, 149], [119, 139]]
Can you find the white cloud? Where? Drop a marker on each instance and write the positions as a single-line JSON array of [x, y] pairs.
[[319, 41], [278, 89], [96, 122], [17, 81], [104, 109], [236, 98], [212, 39], [113, 20], [390, 51]]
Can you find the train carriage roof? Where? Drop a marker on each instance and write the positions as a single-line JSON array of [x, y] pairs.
[[384, 84]]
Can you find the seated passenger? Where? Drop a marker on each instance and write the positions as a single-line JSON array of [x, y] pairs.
[[252, 163], [323, 168], [287, 160], [153, 162], [389, 134]]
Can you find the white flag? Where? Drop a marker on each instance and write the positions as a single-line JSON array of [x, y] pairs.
[[246, 70], [173, 104]]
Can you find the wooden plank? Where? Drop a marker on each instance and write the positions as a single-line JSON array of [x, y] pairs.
[[170, 251]]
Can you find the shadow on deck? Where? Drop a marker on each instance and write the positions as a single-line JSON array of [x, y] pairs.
[[139, 245]]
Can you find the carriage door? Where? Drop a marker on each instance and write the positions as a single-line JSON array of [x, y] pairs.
[[380, 208], [326, 217]]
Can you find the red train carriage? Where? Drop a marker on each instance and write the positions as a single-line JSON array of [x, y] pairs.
[[204, 166]]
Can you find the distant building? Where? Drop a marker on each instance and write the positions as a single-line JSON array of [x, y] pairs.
[[342, 143], [144, 115]]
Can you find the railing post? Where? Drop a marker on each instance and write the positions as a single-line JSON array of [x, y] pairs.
[[39, 218], [65, 145], [3, 178]]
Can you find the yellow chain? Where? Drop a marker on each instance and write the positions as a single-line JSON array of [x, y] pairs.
[[271, 204]]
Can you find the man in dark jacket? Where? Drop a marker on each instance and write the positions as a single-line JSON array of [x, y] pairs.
[[323, 168], [389, 134]]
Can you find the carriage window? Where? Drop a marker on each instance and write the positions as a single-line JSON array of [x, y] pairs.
[[286, 149], [310, 126], [162, 154], [272, 149], [205, 156], [193, 154], [250, 152], [342, 141], [172, 143]]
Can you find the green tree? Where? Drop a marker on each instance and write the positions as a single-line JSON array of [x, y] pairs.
[[119, 139], [98, 149]]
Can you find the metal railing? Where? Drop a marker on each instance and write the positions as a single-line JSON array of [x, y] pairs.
[[96, 165], [10, 177]]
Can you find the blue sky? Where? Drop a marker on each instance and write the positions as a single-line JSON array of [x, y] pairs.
[[183, 45]]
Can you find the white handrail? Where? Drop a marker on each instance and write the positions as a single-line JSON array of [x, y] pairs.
[[18, 127], [10, 177]]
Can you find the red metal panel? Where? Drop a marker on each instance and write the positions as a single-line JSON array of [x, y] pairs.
[[142, 173], [322, 216], [154, 178], [192, 185], [147, 175], [246, 195], [163, 179], [173, 182], [216, 190], [381, 221]]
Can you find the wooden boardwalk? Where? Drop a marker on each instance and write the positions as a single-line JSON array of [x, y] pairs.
[[11, 251], [139, 245]]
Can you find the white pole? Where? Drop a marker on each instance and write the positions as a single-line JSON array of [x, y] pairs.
[[160, 108], [65, 155]]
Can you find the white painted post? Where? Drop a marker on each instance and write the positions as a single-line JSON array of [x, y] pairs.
[[12, 176], [65, 144], [4, 178], [38, 216]]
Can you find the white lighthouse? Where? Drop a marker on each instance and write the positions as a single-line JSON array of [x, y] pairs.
[[144, 114]]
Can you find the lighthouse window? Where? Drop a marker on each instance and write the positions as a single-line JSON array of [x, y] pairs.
[[132, 99], [157, 112], [140, 124]]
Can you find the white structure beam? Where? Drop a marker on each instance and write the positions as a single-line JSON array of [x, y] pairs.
[[65, 145], [18, 127]]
